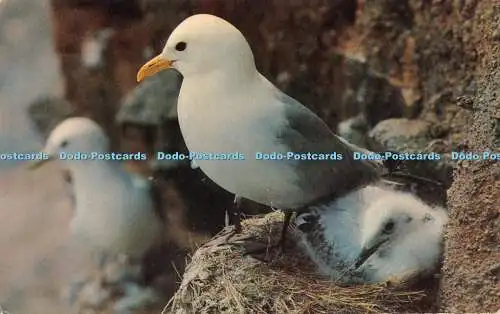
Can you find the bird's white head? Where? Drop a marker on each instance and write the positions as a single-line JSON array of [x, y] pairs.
[[203, 44], [395, 217], [74, 135]]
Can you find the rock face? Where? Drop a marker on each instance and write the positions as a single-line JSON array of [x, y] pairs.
[[382, 60], [152, 102], [47, 112], [415, 136], [471, 268], [78, 27]]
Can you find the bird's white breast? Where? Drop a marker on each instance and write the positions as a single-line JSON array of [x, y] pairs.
[[120, 220], [219, 120]]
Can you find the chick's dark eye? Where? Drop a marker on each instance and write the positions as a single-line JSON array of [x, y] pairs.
[[64, 144], [389, 227], [181, 46]]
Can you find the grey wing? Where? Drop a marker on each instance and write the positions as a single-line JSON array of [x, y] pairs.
[[305, 133], [377, 163]]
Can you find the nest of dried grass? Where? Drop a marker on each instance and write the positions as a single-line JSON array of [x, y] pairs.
[[219, 279]]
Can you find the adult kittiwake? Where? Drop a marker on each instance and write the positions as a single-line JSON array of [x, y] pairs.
[[114, 209], [226, 106], [373, 234]]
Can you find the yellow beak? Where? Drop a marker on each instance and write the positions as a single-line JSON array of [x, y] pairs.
[[38, 163], [152, 67]]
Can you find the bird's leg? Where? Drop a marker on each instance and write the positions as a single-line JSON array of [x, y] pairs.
[[257, 249], [101, 259], [233, 215], [233, 218], [237, 214]]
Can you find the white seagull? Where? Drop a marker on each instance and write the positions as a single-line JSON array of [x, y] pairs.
[[373, 234], [114, 209], [226, 106]]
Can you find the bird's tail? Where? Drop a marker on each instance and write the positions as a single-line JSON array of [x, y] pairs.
[[392, 171]]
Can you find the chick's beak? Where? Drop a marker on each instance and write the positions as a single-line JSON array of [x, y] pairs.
[[152, 67], [368, 251], [38, 163]]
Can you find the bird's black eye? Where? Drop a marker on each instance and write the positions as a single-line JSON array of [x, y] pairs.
[[181, 46], [389, 227], [64, 144]]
